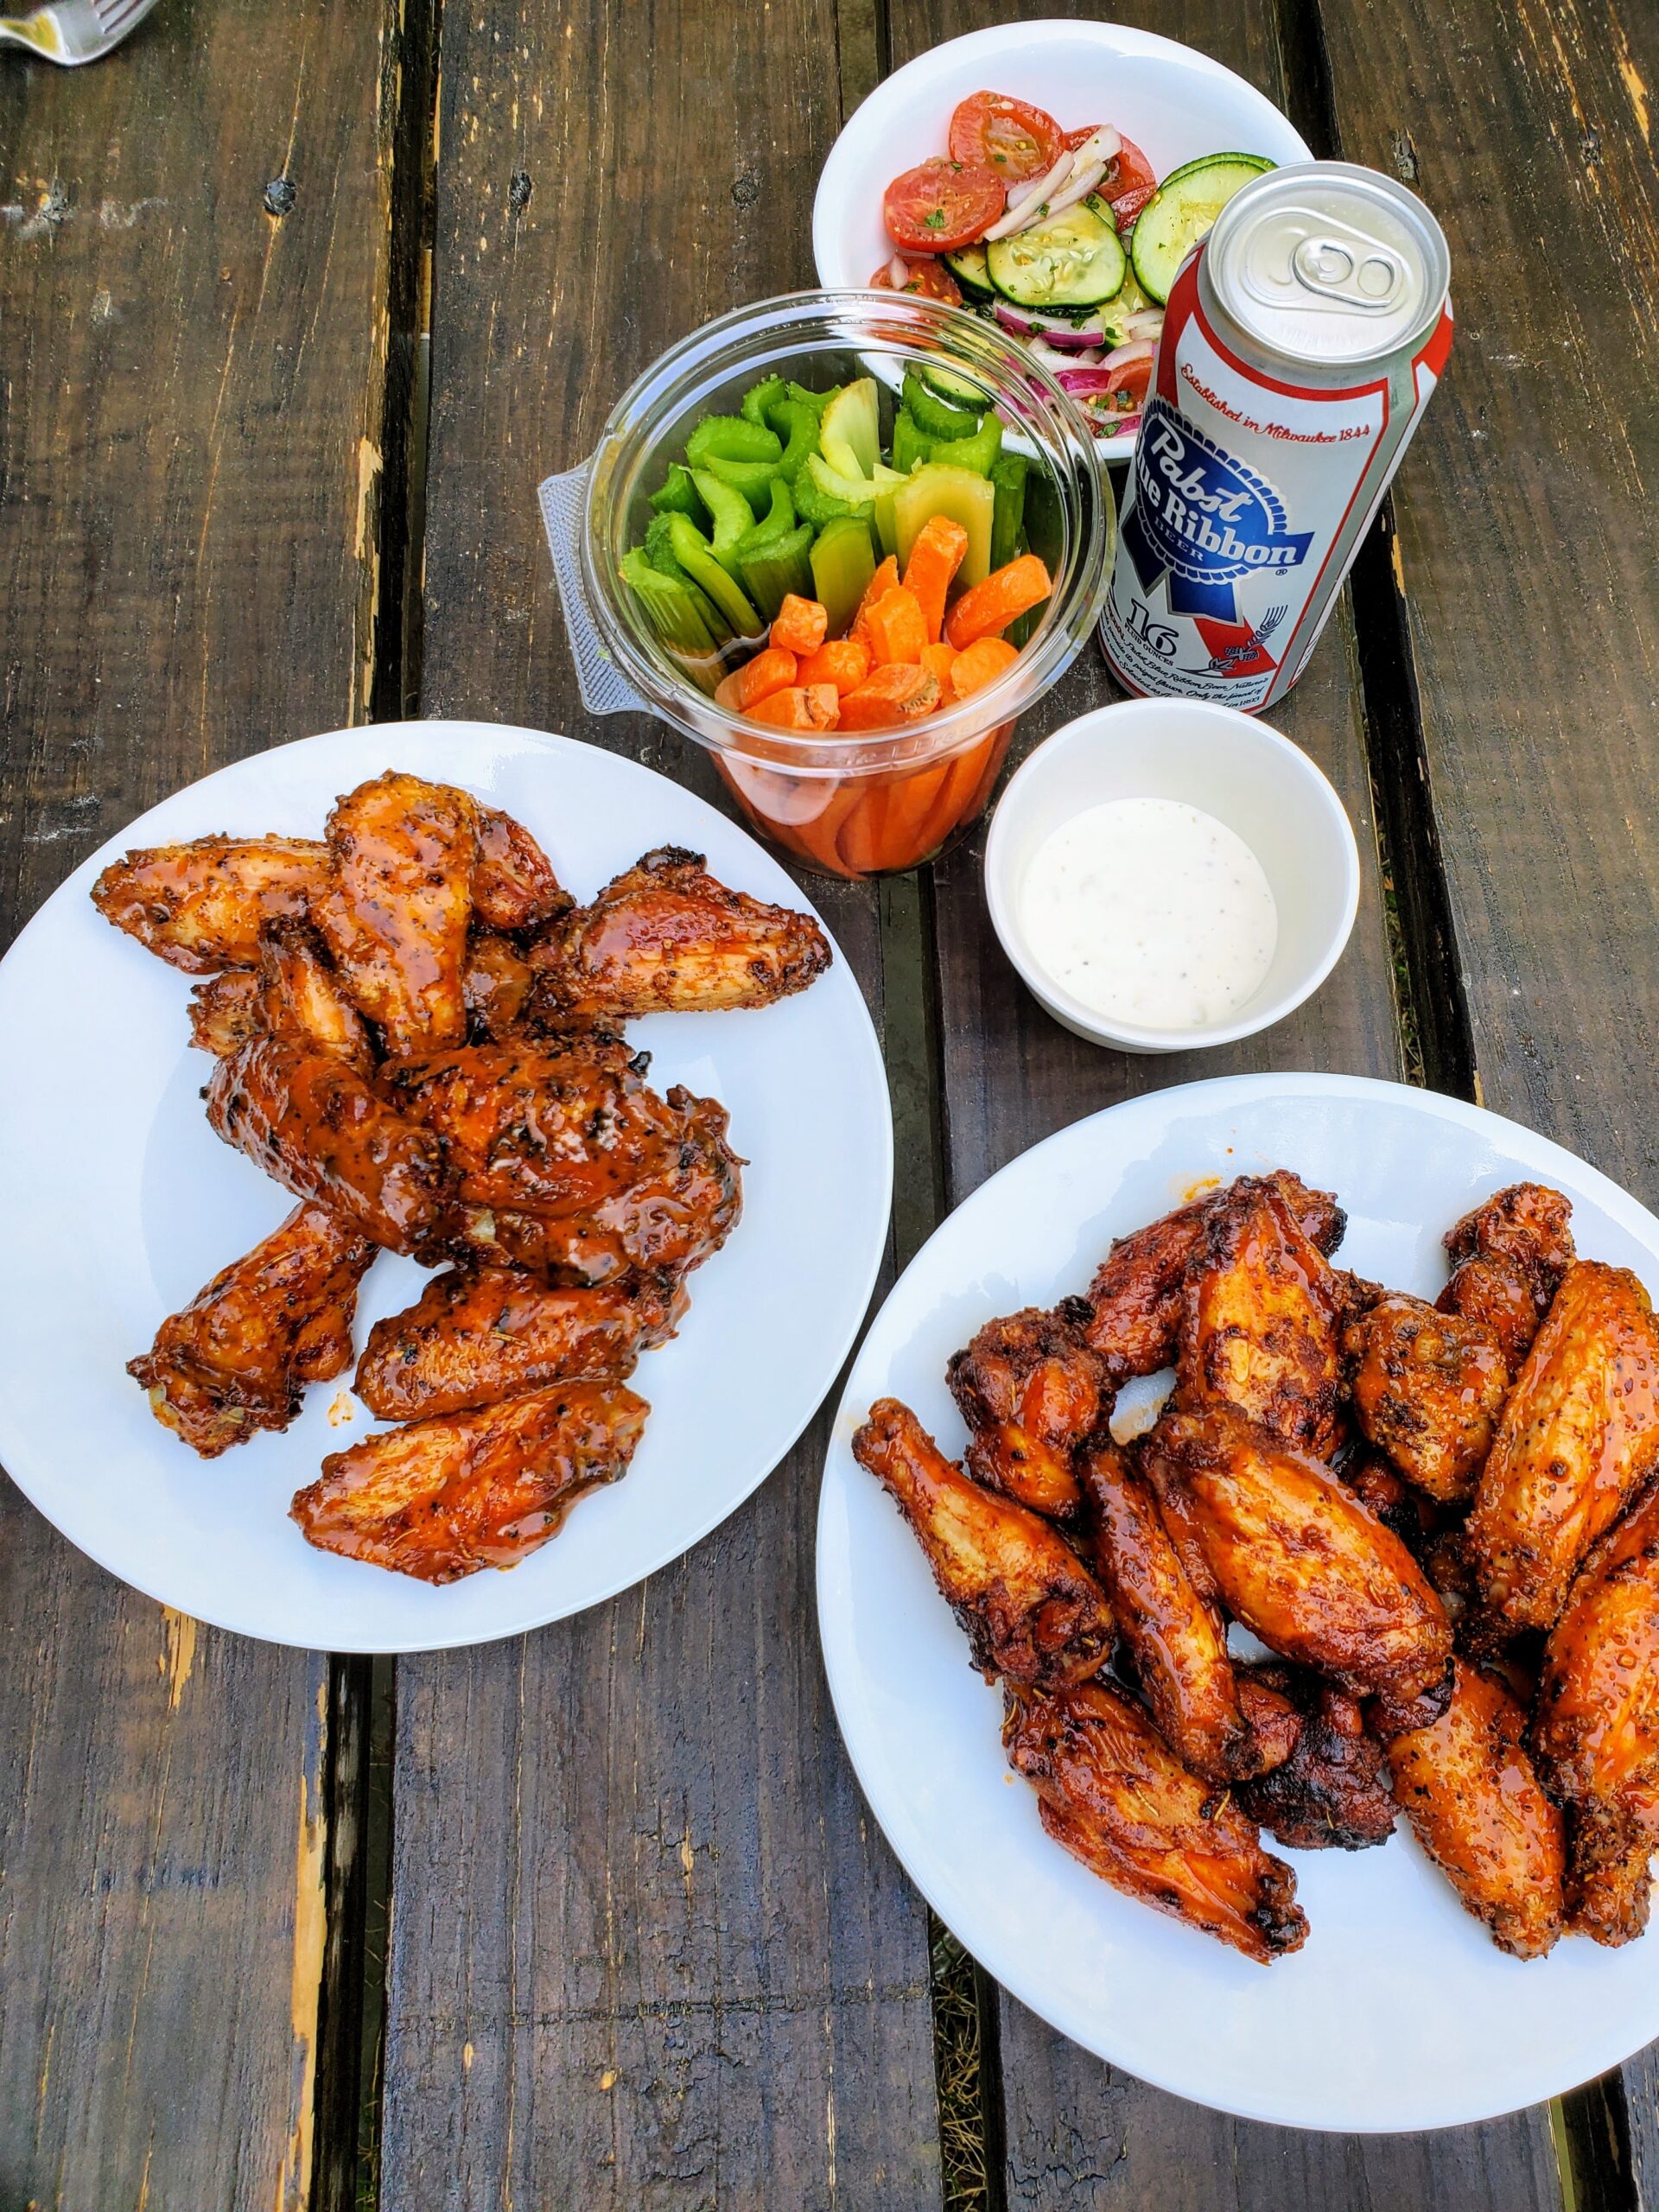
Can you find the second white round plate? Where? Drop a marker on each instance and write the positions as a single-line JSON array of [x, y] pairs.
[[1399, 2012], [120, 1202]]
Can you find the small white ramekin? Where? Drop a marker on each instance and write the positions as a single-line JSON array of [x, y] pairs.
[[1264, 788]]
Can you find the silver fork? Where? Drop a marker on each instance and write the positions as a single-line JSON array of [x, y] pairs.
[[73, 31]]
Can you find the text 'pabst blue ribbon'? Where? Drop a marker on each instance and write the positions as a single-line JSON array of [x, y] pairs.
[[1201, 519]]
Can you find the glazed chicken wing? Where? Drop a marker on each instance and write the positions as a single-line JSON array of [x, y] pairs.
[[1136, 1298], [1030, 1390], [399, 906], [1595, 1730], [1509, 1257], [1300, 1561], [496, 984], [570, 1165], [1177, 1641], [1032, 1611], [665, 937], [1478, 1810], [203, 906], [313, 1124], [237, 1357], [1260, 1321], [1427, 1390], [1332, 1791], [225, 1011], [1578, 1438], [441, 1498], [475, 1338], [301, 996], [1120, 1800], [513, 884]]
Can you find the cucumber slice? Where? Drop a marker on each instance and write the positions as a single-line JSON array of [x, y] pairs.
[[1075, 261], [955, 390], [935, 416], [1180, 212], [967, 265]]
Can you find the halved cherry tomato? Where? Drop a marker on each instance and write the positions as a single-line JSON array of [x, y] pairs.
[[943, 205], [1128, 205], [1130, 382], [1130, 173], [929, 280], [1009, 135]]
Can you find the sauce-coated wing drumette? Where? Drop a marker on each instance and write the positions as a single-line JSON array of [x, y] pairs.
[[1177, 1639], [438, 1499], [1135, 1297], [475, 1337], [1427, 1390], [1112, 1792], [1031, 1391], [1297, 1558], [1579, 1436], [399, 905], [1595, 1730], [237, 1357], [1477, 1806], [1508, 1258], [1332, 1791], [496, 984], [301, 996], [1032, 1611], [315, 1125], [203, 906], [665, 937], [227, 1010], [1260, 1320], [513, 884]]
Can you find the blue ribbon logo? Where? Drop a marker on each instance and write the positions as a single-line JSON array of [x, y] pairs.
[[1201, 519]]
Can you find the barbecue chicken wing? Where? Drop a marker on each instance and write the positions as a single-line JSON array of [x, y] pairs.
[[1480, 1811], [225, 1011], [496, 984], [1595, 1730], [239, 1355], [1135, 1297], [1380, 1486], [1260, 1321], [441, 1498], [1579, 1436], [312, 1124], [1177, 1641], [203, 906], [568, 1165], [1427, 1390], [475, 1338], [1509, 1257], [1331, 1790], [665, 937], [1030, 1390], [1298, 1560], [1031, 1610], [513, 885], [1110, 1792], [301, 997], [398, 907]]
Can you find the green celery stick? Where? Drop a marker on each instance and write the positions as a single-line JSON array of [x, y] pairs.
[[761, 398], [842, 561], [1008, 519], [678, 495], [730, 513], [696, 556], [777, 566]]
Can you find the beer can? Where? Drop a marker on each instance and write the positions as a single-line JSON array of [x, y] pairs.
[[1301, 342]]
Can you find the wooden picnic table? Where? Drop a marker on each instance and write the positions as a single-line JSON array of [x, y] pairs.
[[298, 301]]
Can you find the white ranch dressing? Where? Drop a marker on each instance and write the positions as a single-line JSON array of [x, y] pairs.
[[1150, 911]]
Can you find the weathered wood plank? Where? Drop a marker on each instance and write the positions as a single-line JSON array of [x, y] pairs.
[[1078, 2135], [646, 1950], [1529, 545], [191, 394]]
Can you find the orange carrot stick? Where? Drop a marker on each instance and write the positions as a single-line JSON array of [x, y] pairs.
[[934, 559], [896, 628], [802, 624], [981, 664], [844, 662], [898, 693], [772, 670], [1005, 595]]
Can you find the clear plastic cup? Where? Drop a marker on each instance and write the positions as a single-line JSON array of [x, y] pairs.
[[866, 802]]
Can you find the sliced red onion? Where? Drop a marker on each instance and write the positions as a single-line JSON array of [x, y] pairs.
[[1102, 145], [1065, 337], [1139, 349], [1079, 189], [898, 272], [1147, 322], [1115, 426], [1033, 196], [1083, 384]]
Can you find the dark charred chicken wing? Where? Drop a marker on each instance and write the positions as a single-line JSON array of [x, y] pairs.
[[1476, 1806], [438, 1499], [1136, 1298], [1260, 1321], [204, 906], [1298, 1560], [1578, 1438], [1031, 1610], [237, 1357], [1331, 1790], [477, 1337], [1595, 1730], [1427, 1390], [1030, 1390], [1509, 1257], [1119, 1800], [665, 937]]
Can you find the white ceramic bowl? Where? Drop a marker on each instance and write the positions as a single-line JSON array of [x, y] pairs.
[[1174, 102], [1264, 788]]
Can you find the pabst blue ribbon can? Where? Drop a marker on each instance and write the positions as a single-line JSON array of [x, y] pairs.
[[1301, 342]]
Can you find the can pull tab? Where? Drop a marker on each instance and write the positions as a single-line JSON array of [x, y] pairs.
[[1350, 271]]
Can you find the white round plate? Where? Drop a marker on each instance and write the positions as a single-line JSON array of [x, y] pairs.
[[120, 1202], [1172, 101], [1399, 2012]]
